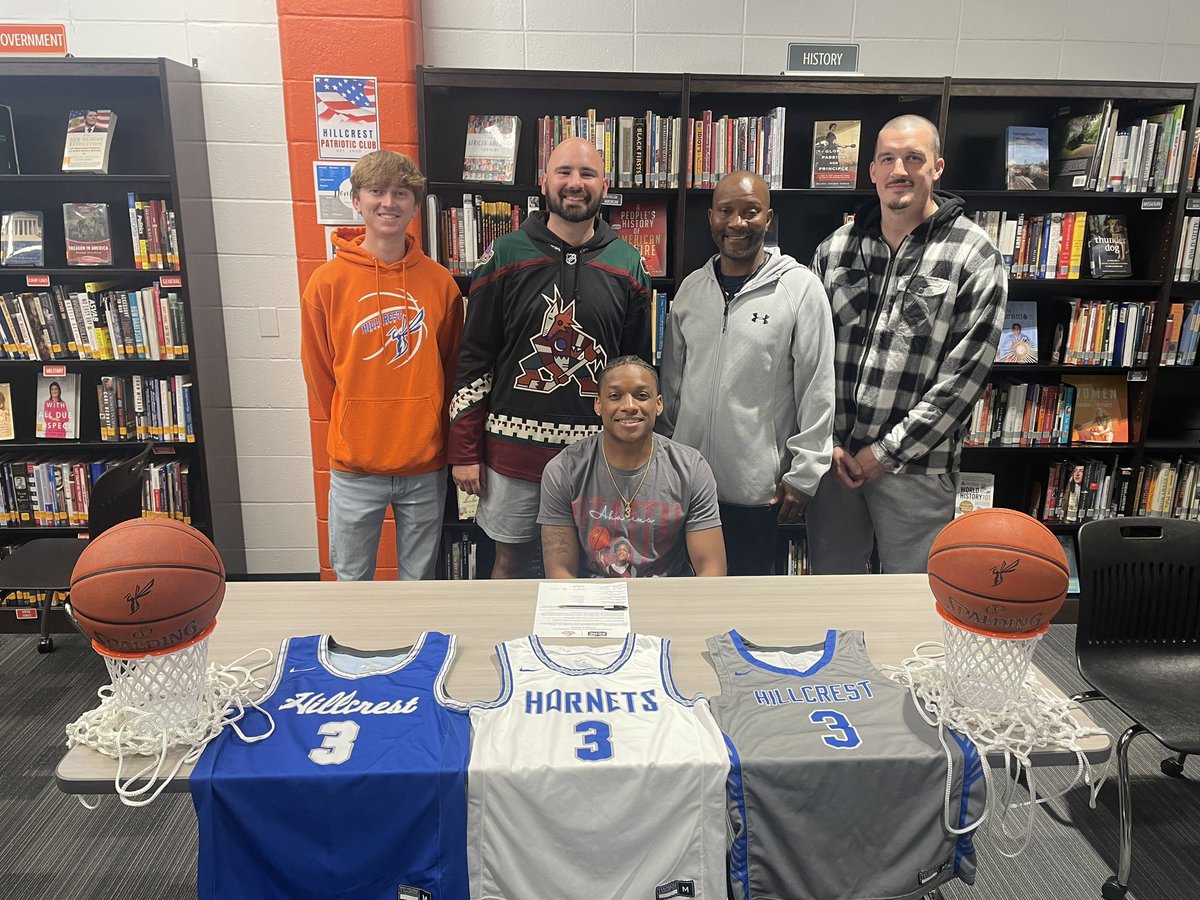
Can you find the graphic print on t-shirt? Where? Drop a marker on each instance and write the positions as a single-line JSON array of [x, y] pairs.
[[629, 548]]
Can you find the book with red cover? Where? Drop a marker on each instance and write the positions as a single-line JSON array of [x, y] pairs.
[[643, 223], [1101, 414]]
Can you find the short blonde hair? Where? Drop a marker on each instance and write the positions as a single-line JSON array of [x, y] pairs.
[[385, 169]]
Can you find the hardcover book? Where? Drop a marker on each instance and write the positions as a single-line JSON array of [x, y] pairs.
[[1018, 338], [1108, 246], [6, 418], [58, 406], [1075, 137], [643, 223], [1027, 158], [975, 491], [491, 151], [1101, 413], [9, 164], [21, 238], [835, 153], [88, 238], [89, 140]]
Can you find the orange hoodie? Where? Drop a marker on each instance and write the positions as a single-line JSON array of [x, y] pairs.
[[379, 344]]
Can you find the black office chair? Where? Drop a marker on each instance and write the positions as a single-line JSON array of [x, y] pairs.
[[1138, 643], [45, 564]]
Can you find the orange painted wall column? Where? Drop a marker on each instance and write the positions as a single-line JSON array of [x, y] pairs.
[[378, 38]]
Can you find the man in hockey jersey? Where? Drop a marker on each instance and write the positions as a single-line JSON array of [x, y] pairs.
[[548, 306]]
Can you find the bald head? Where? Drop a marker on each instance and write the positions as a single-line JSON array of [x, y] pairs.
[[574, 186], [918, 124], [739, 219]]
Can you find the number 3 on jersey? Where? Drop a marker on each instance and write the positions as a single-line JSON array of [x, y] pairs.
[[597, 741], [338, 743], [845, 737]]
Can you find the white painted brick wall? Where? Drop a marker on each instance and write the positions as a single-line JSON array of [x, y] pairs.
[[972, 38]]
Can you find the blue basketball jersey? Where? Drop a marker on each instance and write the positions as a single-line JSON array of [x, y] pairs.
[[358, 792]]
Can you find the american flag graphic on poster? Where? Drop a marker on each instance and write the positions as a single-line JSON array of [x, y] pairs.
[[347, 116]]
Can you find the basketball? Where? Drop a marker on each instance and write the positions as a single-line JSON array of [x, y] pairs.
[[598, 538], [999, 571], [147, 585]]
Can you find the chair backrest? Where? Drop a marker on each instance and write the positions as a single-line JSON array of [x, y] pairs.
[[117, 494], [1139, 584]]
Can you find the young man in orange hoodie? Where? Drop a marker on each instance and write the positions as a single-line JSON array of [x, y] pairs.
[[381, 324]]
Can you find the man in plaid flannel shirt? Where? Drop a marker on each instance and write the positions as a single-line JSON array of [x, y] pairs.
[[917, 292]]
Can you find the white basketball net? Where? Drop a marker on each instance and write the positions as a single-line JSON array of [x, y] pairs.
[[976, 692], [157, 704]]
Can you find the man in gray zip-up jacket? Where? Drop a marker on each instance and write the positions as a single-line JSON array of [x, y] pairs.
[[917, 292], [747, 375]]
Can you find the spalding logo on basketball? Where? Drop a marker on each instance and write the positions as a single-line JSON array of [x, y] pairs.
[[147, 586], [998, 571]]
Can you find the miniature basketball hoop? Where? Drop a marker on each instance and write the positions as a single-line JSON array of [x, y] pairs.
[[985, 669]]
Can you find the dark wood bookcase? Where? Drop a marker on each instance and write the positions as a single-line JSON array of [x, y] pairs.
[[972, 115], [158, 151]]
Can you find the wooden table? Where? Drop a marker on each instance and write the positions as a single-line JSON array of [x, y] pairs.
[[895, 611]]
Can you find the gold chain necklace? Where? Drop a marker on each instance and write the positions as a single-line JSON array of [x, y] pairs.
[[628, 503]]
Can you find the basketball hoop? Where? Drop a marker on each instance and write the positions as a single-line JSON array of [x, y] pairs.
[[986, 669], [157, 702], [163, 692]]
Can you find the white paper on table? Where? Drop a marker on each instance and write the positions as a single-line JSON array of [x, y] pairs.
[[582, 609]]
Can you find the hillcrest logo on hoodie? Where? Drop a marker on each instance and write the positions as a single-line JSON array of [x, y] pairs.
[[402, 324]]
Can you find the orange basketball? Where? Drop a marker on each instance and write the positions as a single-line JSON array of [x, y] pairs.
[[999, 571], [147, 585], [599, 538]]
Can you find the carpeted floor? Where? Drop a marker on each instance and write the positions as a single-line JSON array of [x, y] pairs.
[[54, 848]]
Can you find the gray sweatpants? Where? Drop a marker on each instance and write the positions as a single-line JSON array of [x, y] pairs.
[[903, 513]]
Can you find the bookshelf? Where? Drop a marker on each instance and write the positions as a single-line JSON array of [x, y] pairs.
[[158, 152], [972, 115]]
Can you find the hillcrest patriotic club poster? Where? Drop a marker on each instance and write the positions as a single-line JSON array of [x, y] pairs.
[[347, 116]]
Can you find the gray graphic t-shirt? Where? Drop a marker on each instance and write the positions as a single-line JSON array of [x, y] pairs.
[[678, 495]]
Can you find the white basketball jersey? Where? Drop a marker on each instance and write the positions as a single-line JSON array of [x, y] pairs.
[[590, 776]]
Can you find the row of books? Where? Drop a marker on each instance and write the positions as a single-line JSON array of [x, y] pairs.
[[718, 146], [57, 494], [459, 236], [146, 323], [797, 562], [1182, 335], [638, 151], [1080, 490], [1094, 151], [152, 229], [1086, 409], [1049, 246], [1187, 260], [460, 557], [660, 309], [144, 408], [1109, 333]]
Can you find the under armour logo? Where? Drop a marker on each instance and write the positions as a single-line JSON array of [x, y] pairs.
[[998, 572], [134, 599], [766, 317]]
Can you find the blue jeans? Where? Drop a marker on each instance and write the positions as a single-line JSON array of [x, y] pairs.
[[357, 504]]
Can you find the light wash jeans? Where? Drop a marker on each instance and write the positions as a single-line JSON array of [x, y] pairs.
[[357, 504]]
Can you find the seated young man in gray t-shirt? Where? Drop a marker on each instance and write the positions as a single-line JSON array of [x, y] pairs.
[[637, 503]]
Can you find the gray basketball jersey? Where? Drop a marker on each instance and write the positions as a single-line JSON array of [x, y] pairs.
[[838, 788], [592, 777]]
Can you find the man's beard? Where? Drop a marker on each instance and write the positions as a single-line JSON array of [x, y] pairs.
[[584, 213], [900, 203]]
